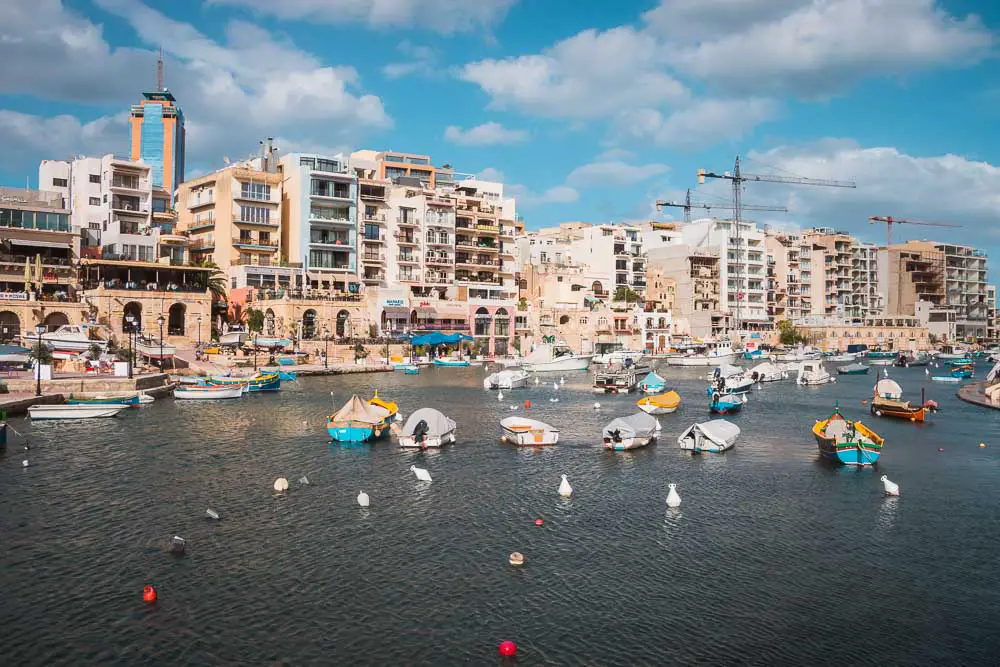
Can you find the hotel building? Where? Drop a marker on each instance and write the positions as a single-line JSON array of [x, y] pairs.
[[158, 138]]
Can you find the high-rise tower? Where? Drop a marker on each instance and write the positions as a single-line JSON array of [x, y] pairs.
[[157, 129]]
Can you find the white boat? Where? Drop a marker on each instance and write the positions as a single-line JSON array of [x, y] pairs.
[[814, 373], [729, 379], [842, 358], [620, 357], [208, 392], [269, 342], [662, 404], [233, 338], [68, 338], [945, 378], [79, 411], [717, 435], [555, 358], [615, 380], [881, 362], [528, 432], [768, 371], [147, 347], [509, 379], [630, 432], [947, 352], [14, 354], [799, 354], [425, 428], [712, 354]]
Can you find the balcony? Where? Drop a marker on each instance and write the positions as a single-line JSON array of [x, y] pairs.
[[129, 207], [200, 225], [255, 223], [407, 221], [202, 244], [337, 243], [439, 241], [322, 217], [488, 228], [199, 202], [372, 239], [373, 277], [129, 184], [409, 277], [404, 239], [407, 259], [439, 260], [331, 193], [373, 258], [373, 217]]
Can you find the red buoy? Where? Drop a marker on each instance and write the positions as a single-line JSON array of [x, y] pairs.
[[527, 404], [539, 522], [507, 648], [149, 594]]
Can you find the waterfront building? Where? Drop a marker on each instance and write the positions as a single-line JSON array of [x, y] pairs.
[[991, 313], [845, 284], [888, 332], [114, 207], [789, 275], [696, 274], [943, 284], [657, 317], [158, 138], [319, 221], [233, 218]]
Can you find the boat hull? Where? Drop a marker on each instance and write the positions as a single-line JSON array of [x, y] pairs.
[[350, 432], [39, 412], [702, 360], [651, 409], [913, 414], [578, 362], [269, 382], [129, 401], [626, 444], [722, 408], [863, 371], [410, 442], [447, 362], [207, 393]]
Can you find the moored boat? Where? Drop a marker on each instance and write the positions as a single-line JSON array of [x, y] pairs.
[[269, 342], [963, 372], [842, 357], [725, 404], [730, 379], [887, 401], [630, 432], [813, 373], [131, 401], [853, 369], [412, 370], [68, 338], [260, 382], [426, 428], [356, 421], [37, 412], [154, 349], [946, 378], [439, 361], [615, 380], [709, 354], [846, 442], [661, 404], [555, 358], [768, 371], [506, 379], [207, 392], [528, 432], [652, 383], [717, 435], [881, 361]]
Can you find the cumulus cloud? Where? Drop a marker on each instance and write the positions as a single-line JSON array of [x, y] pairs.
[[418, 59], [490, 174], [443, 16], [613, 173], [703, 123], [26, 137], [487, 134], [559, 194]]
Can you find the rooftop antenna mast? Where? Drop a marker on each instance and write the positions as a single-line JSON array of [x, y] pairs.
[[159, 72]]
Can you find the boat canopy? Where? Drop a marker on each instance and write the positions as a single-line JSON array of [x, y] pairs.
[[438, 338], [541, 353], [853, 367], [653, 380], [727, 370], [522, 424], [357, 410], [638, 425], [994, 373], [435, 422], [767, 368], [719, 431], [670, 399], [888, 389]]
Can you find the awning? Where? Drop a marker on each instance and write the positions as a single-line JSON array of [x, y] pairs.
[[396, 312], [41, 244]]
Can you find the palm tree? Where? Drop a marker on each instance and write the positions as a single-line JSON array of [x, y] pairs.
[[215, 281]]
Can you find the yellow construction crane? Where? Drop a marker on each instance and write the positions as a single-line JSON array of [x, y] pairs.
[[890, 221]]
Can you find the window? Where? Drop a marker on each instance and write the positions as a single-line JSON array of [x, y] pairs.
[[58, 182], [95, 201], [95, 178], [328, 165], [307, 162], [264, 238], [258, 191], [94, 225], [121, 181], [255, 214]]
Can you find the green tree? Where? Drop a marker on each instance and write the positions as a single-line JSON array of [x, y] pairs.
[[254, 319], [41, 353], [94, 351], [215, 281], [522, 303], [360, 352], [626, 294], [788, 334], [125, 354]]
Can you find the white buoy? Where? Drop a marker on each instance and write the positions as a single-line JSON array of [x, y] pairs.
[[421, 474], [565, 490], [212, 514], [555, 386], [513, 407], [500, 395], [659, 426], [885, 372], [281, 484], [553, 400], [891, 488], [304, 481], [24, 463], [597, 406], [363, 499], [536, 379], [562, 380], [927, 371], [673, 499]]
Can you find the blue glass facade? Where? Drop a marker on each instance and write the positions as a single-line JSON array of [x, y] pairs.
[[151, 146]]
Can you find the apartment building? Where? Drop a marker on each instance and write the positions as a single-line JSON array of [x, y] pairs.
[[115, 207], [158, 138], [233, 218], [695, 271], [942, 284], [319, 220]]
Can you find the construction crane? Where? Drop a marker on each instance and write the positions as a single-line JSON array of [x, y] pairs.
[[738, 178], [688, 205], [890, 221]]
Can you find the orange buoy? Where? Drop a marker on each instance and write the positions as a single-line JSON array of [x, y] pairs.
[[527, 404], [539, 522], [149, 594]]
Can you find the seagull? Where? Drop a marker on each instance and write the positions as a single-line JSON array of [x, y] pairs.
[[421, 474], [363, 499], [513, 407], [673, 498], [24, 463], [555, 386], [304, 481], [553, 400], [565, 490], [891, 488], [212, 514]]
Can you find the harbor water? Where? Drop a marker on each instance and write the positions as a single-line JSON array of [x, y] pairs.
[[773, 557]]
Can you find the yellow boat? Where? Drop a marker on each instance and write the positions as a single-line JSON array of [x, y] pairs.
[[661, 404], [389, 407]]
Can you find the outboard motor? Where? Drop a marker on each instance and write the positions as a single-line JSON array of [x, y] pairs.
[[421, 431], [616, 435]]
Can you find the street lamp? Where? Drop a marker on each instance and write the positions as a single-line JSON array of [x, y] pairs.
[[326, 347], [39, 329], [161, 320], [199, 331], [255, 351], [130, 319]]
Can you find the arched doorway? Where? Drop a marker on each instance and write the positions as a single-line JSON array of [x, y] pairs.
[[501, 330], [344, 324], [309, 324], [55, 320], [269, 322], [596, 288], [10, 326], [175, 319], [483, 321], [133, 309], [564, 319]]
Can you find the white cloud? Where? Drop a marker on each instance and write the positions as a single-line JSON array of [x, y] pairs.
[[419, 59], [944, 188], [444, 16], [491, 174], [560, 194], [27, 137], [817, 47], [704, 123], [590, 75], [613, 173], [487, 134]]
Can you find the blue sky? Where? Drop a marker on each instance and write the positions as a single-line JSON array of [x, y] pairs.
[[588, 110]]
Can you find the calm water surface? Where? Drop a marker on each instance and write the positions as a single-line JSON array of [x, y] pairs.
[[773, 557]]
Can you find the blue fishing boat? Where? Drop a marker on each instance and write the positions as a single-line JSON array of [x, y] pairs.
[[357, 421], [846, 442], [412, 370], [287, 376], [964, 361], [962, 372], [652, 383], [263, 381], [725, 404], [874, 354], [128, 400], [451, 362], [753, 355]]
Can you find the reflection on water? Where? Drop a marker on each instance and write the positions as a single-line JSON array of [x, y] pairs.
[[421, 577]]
